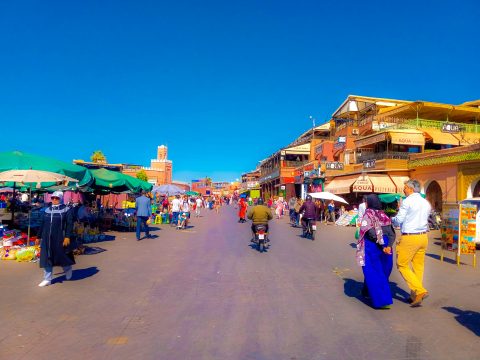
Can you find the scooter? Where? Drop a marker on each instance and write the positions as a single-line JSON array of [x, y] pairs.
[[309, 229], [261, 237]]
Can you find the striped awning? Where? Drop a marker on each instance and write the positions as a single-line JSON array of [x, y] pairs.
[[370, 139], [340, 185]]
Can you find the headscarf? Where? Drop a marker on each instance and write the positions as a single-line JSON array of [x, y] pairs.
[[374, 217]]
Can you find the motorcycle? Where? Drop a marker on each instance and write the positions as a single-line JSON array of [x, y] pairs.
[[261, 237], [434, 220], [309, 229]]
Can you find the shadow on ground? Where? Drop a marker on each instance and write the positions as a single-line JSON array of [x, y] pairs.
[[353, 288], [445, 259], [92, 250], [469, 319], [102, 238], [78, 274]]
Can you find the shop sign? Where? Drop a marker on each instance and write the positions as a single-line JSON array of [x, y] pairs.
[[342, 139], [308, 167], [369, 164], [334, 165], [450, 128], [362, 185]]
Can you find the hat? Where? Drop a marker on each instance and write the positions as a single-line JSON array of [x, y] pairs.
[[58, 194]]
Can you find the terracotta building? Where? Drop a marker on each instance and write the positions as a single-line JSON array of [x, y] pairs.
[[160, 170]]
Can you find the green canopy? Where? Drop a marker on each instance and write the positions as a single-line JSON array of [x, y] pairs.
[[389, 198], [112, 181], [192, 193], [17, 160]]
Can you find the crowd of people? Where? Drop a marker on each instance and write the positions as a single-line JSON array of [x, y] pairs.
[[376, 233]]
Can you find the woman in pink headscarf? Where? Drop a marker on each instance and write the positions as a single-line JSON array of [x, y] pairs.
[[279, 207]]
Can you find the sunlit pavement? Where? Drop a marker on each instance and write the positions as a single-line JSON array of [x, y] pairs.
[[204, 293]]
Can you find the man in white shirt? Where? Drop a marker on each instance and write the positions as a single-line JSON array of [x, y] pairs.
[[199, 203], [175, 209], [412, 218], [361, 209]]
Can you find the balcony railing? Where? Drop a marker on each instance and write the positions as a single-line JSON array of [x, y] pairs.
[[400, 123], [296, 163], [382, 155]]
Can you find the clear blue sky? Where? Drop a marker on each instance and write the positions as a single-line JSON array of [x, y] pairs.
[[223, 84]]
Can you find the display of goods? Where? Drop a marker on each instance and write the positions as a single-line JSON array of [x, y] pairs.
[[26, 254], [9, 254]]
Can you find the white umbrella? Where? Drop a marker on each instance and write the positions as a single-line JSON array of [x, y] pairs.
[[325, 195], [168, 189], [33, 176]]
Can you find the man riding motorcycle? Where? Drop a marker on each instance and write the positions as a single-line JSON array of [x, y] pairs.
[[260, 215], [309, 211]]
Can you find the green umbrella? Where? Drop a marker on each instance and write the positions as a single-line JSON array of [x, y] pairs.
[[106, 181], [17, 160], [192, 193]]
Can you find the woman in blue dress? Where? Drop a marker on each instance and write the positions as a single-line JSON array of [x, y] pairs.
[[374, 253]]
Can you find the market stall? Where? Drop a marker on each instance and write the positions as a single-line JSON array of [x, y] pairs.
[[461, 230]]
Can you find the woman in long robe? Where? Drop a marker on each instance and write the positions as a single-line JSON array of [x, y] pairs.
[[55, 231], [242, 212], [374, 253]]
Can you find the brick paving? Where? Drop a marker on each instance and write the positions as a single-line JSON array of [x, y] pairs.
[[205, 294]]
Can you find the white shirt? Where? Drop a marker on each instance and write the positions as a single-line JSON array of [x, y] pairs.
[[413, 214], [361, 210], [175, 205], [186, 206], [199, 203]]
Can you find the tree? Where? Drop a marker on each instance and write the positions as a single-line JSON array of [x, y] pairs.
[[98, 157], [208, 181], [142, 175]]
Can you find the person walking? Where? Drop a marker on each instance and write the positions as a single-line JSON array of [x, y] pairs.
[[374, 253], [331, 211], [298, 205], [56, 227], [242, 212], [412, 217], [279, 207], [176, 203], [143, 209], [198, 204]]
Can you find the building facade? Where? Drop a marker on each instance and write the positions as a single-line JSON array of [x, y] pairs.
[[160, 170]]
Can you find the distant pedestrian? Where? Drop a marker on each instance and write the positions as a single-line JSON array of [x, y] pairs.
[[412, 218], [279, 208], [176, 203], [331, 211], [143, 208], [55, 230], [242, 210], [198, 206]]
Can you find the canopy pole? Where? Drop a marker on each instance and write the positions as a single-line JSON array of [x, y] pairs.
[[13, 203], [29, 217]]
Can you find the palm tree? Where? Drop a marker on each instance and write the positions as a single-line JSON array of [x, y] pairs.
[[98, 157]]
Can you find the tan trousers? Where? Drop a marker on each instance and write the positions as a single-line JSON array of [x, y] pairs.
[[411, 260]]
